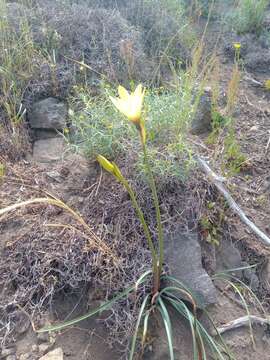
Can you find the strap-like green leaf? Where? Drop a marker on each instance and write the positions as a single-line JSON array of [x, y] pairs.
[[168, 326], [140, 316]]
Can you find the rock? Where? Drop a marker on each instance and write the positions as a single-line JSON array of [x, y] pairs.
[[46, 338], [56, 354], [183, 256], [50, 150], [258, 61], [203, 118], [34, 347], [44, 347], [41, 134], [22, 322], [11, 357], [49, 113], [26, 356], [80, 172], [228, 257], [7, 352]]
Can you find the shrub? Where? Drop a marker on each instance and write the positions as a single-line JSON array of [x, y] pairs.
[[249, 16], [165, 28], [167, 118]]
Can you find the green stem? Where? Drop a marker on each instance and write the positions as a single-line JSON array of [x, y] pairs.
[[157, 207], [145, 227]]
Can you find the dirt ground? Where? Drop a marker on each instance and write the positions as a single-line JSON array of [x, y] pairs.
[[250, 188]]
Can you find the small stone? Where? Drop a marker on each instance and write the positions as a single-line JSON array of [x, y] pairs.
[[11, 357], [202, 120], [56, 354], [254, 128], [7, 352], [49, 113], [26, 356], [43, 337], [50, 150], [42, 348], [34, 348]]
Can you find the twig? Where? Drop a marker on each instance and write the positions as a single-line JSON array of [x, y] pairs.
[[268, 143], [243, 321], [233, 205]]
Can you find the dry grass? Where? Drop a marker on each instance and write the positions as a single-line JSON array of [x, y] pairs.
[[42, 259]]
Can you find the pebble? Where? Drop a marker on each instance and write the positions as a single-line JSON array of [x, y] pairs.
[[26, 356], [34, 348], [7, 352], [43, 337], [42, 348], [56, 354]]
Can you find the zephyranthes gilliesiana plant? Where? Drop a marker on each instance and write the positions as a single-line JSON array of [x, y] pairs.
[[166, 290]]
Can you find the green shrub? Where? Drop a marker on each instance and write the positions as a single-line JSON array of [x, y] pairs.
[[167, 118], [249, 16], [165, 29]]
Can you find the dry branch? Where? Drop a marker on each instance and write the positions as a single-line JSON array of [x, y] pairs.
[[243, 321], [218, 182]]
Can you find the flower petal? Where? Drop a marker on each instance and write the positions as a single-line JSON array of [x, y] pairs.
[[123, 93], [106, 164], [138, 91]]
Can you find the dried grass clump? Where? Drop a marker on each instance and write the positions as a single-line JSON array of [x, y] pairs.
[[40, 261], [95, 36], [167, 36]]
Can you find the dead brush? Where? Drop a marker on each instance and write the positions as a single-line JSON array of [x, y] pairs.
[[94, 241]]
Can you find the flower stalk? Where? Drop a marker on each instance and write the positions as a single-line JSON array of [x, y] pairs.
[[130, 105]]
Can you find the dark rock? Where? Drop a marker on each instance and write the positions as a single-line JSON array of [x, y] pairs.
[[49, 113], [42, 134], [258, 61], [202, 120], [80, 173], [183, 256], [228, 257], [43, 337], [49, 150]]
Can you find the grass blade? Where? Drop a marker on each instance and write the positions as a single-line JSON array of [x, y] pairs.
[[244, 303], [168, 327], [203, 332], [101, 308], [183, 311], [140, 316], [97, 310]]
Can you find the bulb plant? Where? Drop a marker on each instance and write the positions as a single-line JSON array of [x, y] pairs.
[[167, 293]]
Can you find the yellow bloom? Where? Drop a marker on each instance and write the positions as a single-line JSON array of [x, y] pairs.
[[237, 45], [267, 84], [130, 105], [111, 167], [106, 164]]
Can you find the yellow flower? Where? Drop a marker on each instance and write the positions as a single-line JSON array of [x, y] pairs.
[[237, 45], [106, 164], [130, 105], [111, 167], [267, 84]]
